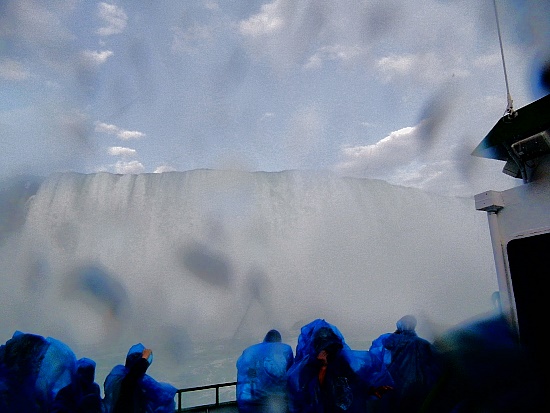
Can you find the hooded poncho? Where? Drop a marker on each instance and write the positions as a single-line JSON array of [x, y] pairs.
[[152, 396], [349, 376], [261, 375]]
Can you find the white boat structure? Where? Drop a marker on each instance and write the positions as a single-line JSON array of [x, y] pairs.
[[519, 218]]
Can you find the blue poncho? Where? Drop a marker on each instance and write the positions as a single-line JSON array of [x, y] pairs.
[[413, 363], [158, 397], [83, 394], [32, 370], [261, 375], [349, 377]]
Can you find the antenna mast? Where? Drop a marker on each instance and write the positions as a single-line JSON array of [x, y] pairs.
[[510, 108]]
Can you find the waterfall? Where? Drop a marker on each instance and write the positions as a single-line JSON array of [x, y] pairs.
[[181, 257]]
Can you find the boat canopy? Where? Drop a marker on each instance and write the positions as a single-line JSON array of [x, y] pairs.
[[518, 137]]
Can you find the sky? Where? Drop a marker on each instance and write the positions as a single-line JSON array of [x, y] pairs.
[[396, 90]]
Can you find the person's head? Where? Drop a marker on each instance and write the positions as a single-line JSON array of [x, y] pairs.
[[134, 354], [85, 370], [328, 340], [406, 323], [272, 336]]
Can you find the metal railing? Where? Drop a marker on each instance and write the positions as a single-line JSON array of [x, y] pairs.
[[208, 406]]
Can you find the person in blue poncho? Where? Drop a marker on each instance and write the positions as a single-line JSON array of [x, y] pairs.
[[413, 363], [329, 377], [32, 370], [128, 389], [83, 394], [261, 375]]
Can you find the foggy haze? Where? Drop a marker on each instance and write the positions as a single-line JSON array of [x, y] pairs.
[[104, 261]]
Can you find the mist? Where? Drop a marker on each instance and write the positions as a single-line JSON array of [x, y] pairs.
[[183, 259]]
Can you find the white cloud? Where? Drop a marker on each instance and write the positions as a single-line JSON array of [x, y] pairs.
[[114, 18], [427, 68], [341, 53], [121, 151], [131, 167], [267, 115], [399, 159], [164, 168], [395, 65], [407, 157], [251, 54], [12, 70], [266, 22], [419, 174], [211, 5], [92, 58], [287, 32], [123, 134], [126, 135], [201, 36], [106, 128], [392, 151]]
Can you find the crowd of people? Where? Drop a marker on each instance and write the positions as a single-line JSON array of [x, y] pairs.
[[479, 367], [325, 375], [43, 375]]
